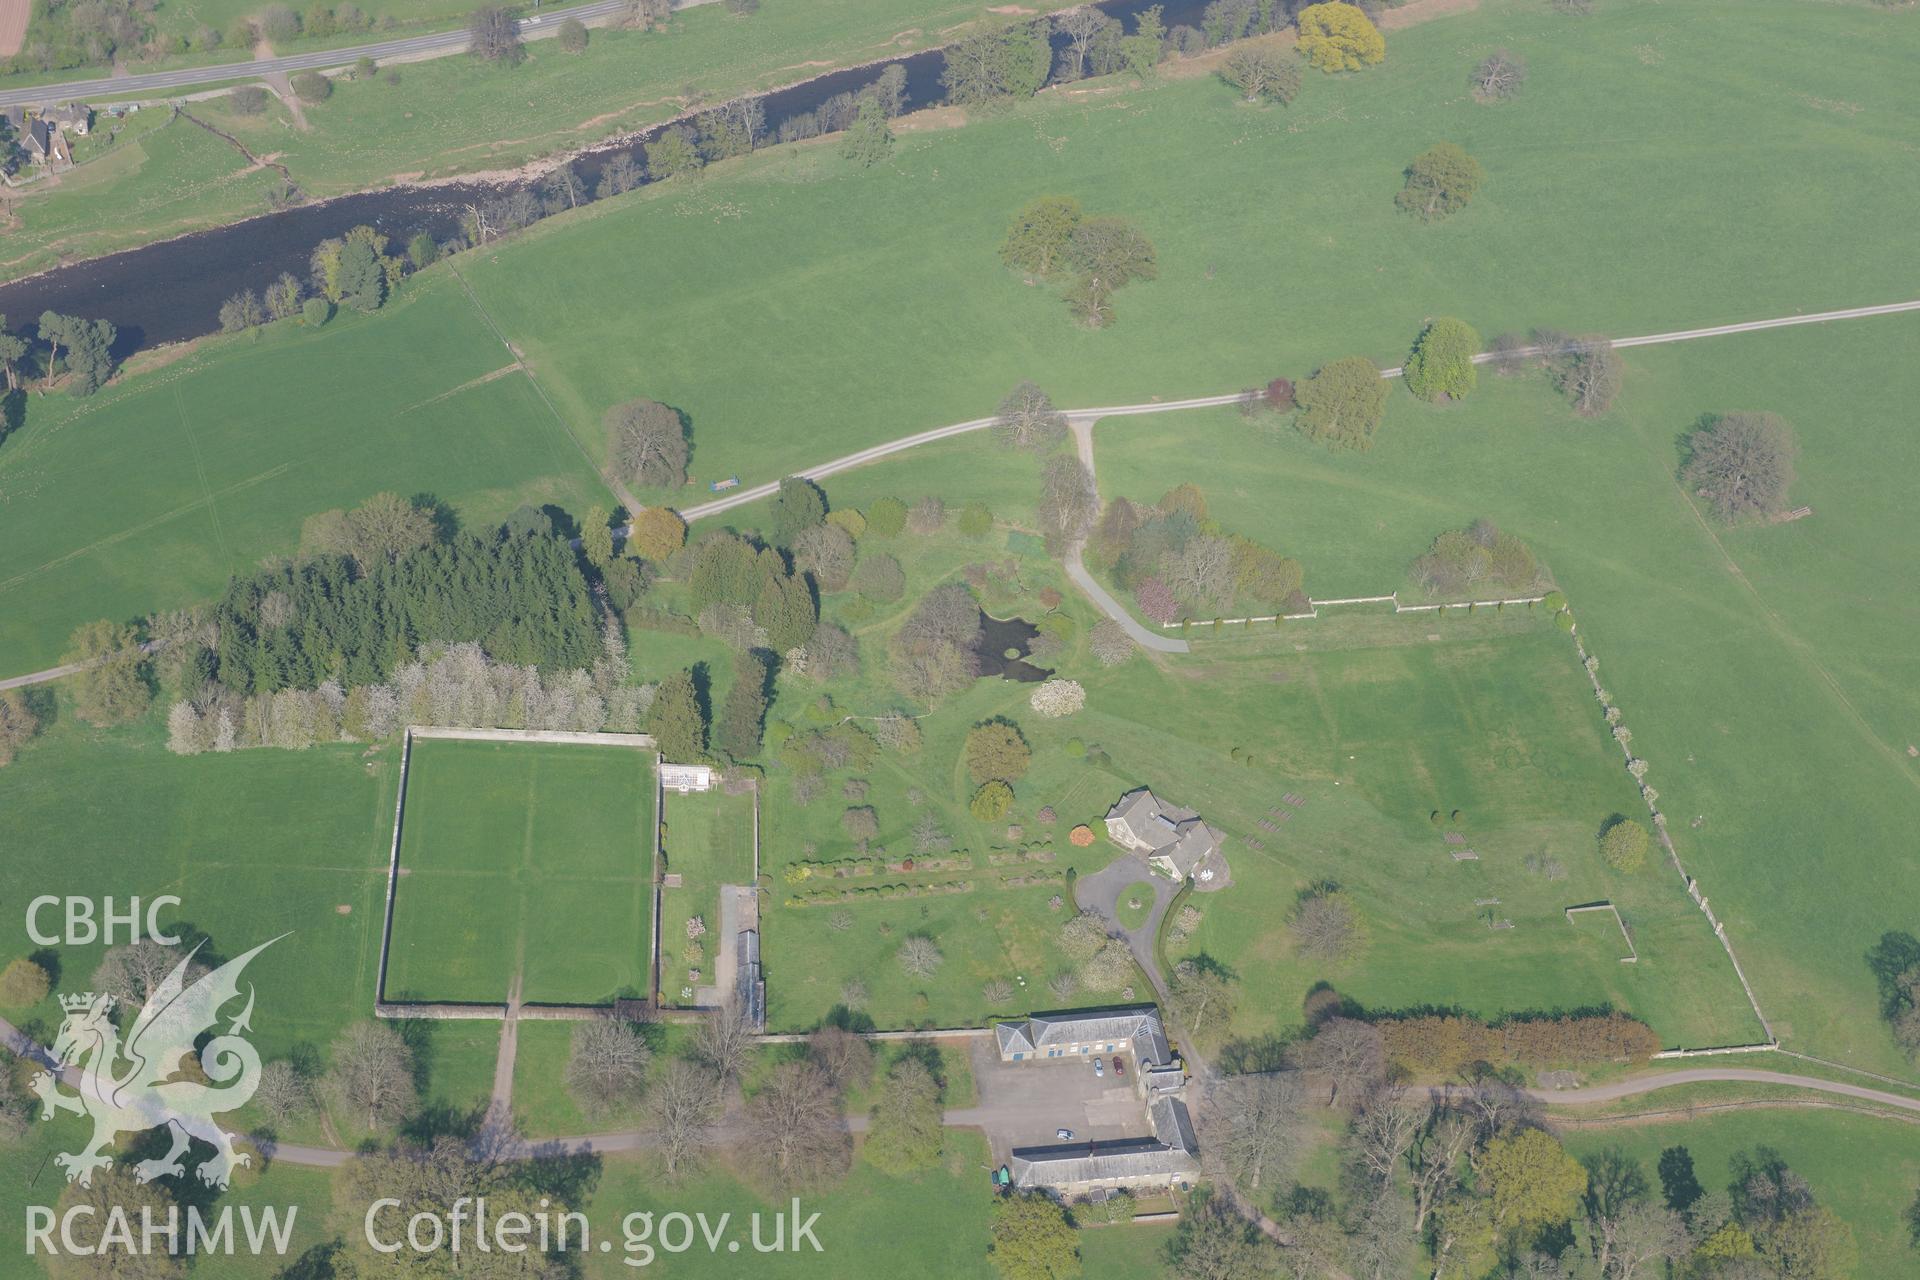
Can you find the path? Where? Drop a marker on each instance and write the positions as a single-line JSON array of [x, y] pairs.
[[435, 44], [500, 1102], [1081, 420], [1081, 424], [1100, 893], [729, 1129]]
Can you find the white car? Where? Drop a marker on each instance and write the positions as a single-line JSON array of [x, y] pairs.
[[1099, 1068], [1065, 1135]]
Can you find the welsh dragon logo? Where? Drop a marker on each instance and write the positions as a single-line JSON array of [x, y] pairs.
[[139, 1085]]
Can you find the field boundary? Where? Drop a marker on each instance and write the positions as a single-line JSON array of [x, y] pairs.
[[484, 1011], [1317, 605]]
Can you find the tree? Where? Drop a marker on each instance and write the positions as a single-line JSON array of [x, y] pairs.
[[1741, 464], [111, 687], [724, 1046], [1531, 1181], [573, 36], [672, 154], [879, 577], [1342, 403], [904, 1130], [133, 972], [992, 802], [1028, 420], [370, 1076], [1202, 994], [23, 983], [798, 1134], [1441, 366], [362, 280], [494, 35], [1810, 1243], [1339, 37], [868, 141], [1252, 1127], [919, 956], [311, 86], [932, 654], [798, 506], [1326, 927], [997, 749], [383, 529], [1261, 71], [596, 537], [1031, 1239], [1215, 1241], [248, 100], [843, 1056], [1624, 844], [1080, 26], [1111, 643], [685, 1104], [285, 1095], [1112, 251], [887, 518], [18, 724], [104, 1218], [619, 175], [1011, 62], [1587, 371], [88, 347], [1057, 698], [1037, 243], [1068, 501], [1141, 52], [1440, 182], [742, 718], [1498, 76], [649, 443], [283, 296], [607, 1065], [677, 721], [656, 533], [1350, 1053], [241, 311]]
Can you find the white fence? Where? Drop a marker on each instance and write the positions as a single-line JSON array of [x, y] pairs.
[[1392, 598]]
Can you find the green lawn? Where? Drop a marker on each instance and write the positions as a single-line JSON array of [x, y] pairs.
[[151, 494], [453, 115], [706, 838], [1279, 243], [1865, 1168], [1765, 671], [523, 859]]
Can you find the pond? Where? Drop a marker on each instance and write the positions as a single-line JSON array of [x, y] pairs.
[[1004, 645]]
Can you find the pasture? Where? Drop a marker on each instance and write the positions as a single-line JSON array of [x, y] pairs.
[[528, 861], [1279, 244], [151, 493], [1762, 669]]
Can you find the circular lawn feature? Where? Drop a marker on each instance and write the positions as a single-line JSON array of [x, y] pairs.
[[1135, 904]]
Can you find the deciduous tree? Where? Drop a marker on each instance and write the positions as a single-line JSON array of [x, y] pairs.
[[1252, 1127], [1342, 403], [111, 686], [607, 1065], [494, 35], [1032, 1239], [904, 1130], [1028, 420], [1498, 76], [1441, 181], [997, 749], [1741, 464], [649, 443], [1261, 71], [1441, 366], [1339, 37], [370, 1076]]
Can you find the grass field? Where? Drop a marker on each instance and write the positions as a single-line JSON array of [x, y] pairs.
[[1864, 1168], [149, 495], [1279, 245], [707, 839], [528, 860], [457, 115], [1762, 669]]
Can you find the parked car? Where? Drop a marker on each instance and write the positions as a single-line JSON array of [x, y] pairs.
[[1065, 1135], [1099, 1067], [1119, 1067]]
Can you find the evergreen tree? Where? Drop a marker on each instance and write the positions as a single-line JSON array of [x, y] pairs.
[[746, 708], [676, 720], [799, 506]]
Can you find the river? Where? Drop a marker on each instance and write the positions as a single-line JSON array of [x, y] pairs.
[[172, 291]]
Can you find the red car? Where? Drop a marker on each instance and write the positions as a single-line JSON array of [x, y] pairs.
[[1119, 1067]]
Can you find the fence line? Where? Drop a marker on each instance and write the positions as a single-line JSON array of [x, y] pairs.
[[1393, 598], [458, 732], [1591, 665]]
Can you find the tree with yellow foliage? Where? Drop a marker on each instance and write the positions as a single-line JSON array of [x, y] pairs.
[[657, 533], [1339, 37]]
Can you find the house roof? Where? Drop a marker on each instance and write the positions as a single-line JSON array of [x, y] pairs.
[[1084, 1162], [1170, 831], [1173, 1125], [37, 138], [1139, 1024]]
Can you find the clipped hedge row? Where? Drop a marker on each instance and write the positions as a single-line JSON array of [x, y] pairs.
[[1026, 853], [877, 893]]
